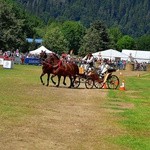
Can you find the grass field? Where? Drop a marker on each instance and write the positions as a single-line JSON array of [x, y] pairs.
[[36, 117], [135, 112]]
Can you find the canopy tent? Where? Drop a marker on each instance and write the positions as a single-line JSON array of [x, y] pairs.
[[140, 56], [39, 50], [111, 54]]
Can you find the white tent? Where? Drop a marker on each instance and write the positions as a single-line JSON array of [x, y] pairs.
[[39, 50], [140, 56], [111, 54]]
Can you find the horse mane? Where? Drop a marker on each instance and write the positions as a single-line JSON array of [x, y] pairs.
[[55, 56]]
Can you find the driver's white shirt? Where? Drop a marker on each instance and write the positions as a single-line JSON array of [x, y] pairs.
[[91, 59]]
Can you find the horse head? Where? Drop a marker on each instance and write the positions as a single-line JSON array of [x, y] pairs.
[[53, 59]]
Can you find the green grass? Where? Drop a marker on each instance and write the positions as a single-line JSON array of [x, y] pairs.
[[136, 120], [14, 98]]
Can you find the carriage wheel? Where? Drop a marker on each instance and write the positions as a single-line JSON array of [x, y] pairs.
[[98, 84], [89, 83], [76, 83], [113, 82]]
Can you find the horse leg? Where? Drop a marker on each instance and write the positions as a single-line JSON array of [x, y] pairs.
[[41, 78], [59, 77], [71, 82], [52, 79], [73, 79], [48, 75], [64, 80]]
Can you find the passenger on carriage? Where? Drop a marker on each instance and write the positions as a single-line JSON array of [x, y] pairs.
[[104, 66]]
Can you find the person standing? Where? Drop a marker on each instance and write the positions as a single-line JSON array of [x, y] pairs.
[[89, 59]]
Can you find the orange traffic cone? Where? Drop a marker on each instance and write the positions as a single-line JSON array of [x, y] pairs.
[[122, 87], [104, 86]]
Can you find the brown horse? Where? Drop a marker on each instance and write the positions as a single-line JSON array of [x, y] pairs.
[[67, 69], [47, 68], [50, 67]]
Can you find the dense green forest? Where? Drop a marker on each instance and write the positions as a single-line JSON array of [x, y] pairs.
[[70, 24], [132, 16]]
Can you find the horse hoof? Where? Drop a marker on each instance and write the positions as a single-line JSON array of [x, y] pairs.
[[64, 83]]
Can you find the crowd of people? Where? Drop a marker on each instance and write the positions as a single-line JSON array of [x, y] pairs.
[[88, 61]]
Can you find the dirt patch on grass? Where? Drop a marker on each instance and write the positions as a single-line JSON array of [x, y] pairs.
[[121, 105], [73, 119]]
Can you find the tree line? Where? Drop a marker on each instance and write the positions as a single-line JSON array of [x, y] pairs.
[[132, 16], [61, 36]]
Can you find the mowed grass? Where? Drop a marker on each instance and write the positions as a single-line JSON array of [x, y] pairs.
[[14, 98], [40, 117], [134, 106]]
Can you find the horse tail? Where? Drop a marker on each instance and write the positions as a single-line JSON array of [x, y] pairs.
[[76, 69]]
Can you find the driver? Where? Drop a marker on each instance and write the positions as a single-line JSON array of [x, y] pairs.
[[89, 60]]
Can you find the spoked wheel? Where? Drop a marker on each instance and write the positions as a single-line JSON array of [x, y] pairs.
[[113, 82], [89, 83], [98, 84], [76, 83]]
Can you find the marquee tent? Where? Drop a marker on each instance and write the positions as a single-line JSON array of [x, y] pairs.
[[111, 54], [38, 51], [140, 56]]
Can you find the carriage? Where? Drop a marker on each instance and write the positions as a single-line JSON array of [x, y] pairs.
[[98, 78]]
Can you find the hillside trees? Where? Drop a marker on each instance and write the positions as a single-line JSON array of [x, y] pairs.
[[131, 15]]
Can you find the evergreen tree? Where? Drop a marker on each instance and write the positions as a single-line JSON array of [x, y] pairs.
[[95, 39], [16, 24], [11, 35], [115, 34]]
